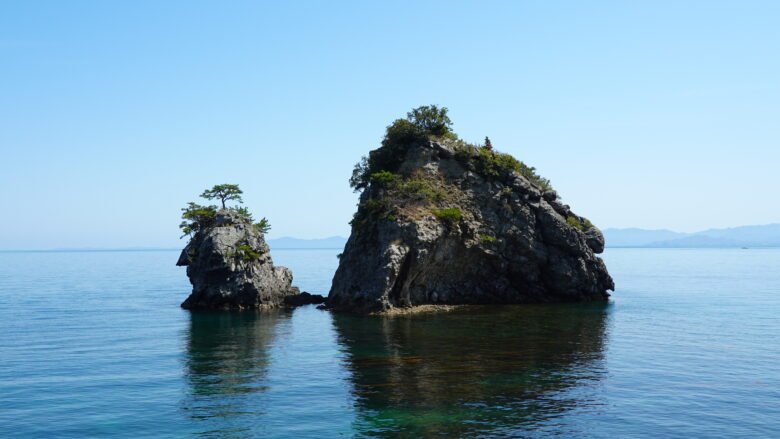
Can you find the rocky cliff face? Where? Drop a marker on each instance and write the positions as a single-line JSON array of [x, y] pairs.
[[229, 266], [447, 228]]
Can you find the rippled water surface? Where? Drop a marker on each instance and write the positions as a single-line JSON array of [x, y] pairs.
[[94, 345]]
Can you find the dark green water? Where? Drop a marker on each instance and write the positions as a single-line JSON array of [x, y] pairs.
[[480, 369], [94, 345]]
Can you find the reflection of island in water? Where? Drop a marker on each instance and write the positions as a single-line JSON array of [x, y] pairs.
[[476, 370], [227, 361]]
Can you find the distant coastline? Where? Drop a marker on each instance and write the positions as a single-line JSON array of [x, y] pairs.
[[736, 237], [91, 250], [331, 242], [757, 236], [284, 243]]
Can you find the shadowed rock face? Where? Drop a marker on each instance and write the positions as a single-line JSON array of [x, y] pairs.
[[230, 267], [514, 243]]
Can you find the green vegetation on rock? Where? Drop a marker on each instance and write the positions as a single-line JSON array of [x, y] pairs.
[[246, 253], [450, 215], [263, 225], [487, 238], [495, 165], [587, 224], [579, 225], [392, 192], [430, 122], [376, 208], [401, 189], [197, 217], [420, 124], [420, 190], [384, 179], [393, 195], [243, 211], [574, 222]]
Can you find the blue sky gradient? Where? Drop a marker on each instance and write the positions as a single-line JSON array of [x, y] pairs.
[[114, 114]]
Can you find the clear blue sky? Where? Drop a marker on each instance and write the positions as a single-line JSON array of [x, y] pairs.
[[114, 114]]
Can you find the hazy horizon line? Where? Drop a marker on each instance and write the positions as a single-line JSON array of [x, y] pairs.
[[156, 248]]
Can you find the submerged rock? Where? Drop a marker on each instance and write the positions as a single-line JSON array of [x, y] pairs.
[[457, 224], [229, 266]]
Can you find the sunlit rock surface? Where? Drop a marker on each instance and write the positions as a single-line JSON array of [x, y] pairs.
[[230, 267], [510, 242]]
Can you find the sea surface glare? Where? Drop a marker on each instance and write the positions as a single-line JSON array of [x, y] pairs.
[[94, 344]]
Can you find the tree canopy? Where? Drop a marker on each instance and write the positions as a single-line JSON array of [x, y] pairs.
[[488, 144], [223, 192], [420, 123], [196, 217], [432, 120]]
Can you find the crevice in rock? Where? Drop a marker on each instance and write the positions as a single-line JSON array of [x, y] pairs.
[[398, 285]]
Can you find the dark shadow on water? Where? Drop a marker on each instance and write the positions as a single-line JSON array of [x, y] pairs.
[[497, 371], [226, 362]]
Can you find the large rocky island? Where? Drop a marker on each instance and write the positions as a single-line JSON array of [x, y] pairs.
[[228, 261], [442, 221]]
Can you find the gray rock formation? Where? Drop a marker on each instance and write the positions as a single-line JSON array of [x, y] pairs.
[[230, 267], [448, 234]]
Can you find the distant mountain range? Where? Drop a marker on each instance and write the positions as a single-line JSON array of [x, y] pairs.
[[288, 242], [745, 236]]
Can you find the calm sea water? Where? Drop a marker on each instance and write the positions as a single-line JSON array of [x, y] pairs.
[[94, 344]]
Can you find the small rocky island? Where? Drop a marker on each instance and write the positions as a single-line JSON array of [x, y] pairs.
[[228, 261], [444, 222]]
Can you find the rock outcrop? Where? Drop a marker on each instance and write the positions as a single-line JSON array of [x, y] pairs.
[[229, 266], [303, 299], [454, 224]]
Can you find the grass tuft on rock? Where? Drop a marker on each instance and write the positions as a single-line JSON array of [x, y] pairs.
[[579, 225], [450, 215]]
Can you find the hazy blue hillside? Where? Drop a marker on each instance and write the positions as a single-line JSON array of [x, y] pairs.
[[745, 236], [288, 242], [768, 234]]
